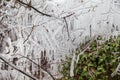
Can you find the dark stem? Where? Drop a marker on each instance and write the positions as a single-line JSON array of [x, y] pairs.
[[16, 68], [66, 24], [90, 31], [21, 2]]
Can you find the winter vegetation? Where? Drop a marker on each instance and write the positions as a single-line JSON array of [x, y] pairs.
[[36, 36], [98, 59]]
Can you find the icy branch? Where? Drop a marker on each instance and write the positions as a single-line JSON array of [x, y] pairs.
[[16, 68], [39, 66]]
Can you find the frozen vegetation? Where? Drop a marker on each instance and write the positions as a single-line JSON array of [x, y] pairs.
[[36, 35]]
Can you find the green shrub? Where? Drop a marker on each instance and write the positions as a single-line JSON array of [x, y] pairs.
[[96, 63]]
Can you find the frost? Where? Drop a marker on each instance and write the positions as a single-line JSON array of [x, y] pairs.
[[57, 32]]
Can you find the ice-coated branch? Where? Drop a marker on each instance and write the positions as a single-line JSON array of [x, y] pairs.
[[16, 68], [38, 66], [117, 71]]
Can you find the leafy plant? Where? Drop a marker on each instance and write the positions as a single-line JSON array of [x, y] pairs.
[[97, 63]]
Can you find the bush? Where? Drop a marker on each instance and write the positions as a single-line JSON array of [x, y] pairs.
[[96, 63]]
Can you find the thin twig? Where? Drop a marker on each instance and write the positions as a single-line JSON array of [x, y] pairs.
[[66, 24], [90, 31], [21, 2], [69, 15], [29, 34], [16, 68]]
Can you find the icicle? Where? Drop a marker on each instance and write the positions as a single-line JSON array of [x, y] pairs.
[[72, 66]]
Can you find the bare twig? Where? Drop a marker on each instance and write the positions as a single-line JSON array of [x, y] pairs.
[[69, 15], [66, 24], [90, 31], [21, 2], [16, 68], [29, 34]]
